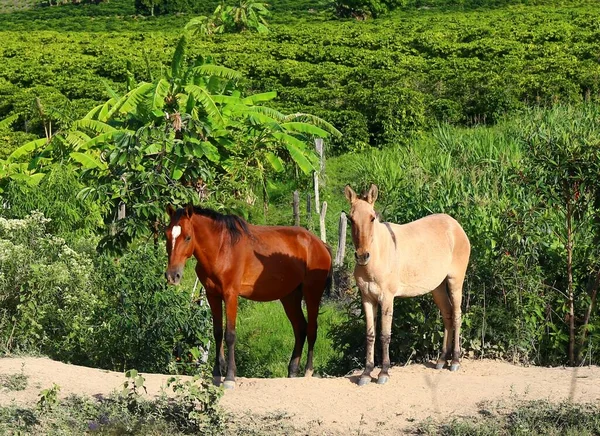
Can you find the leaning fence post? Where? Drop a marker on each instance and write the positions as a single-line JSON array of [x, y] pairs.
[[341, 248], [322, 222], [296, 208]]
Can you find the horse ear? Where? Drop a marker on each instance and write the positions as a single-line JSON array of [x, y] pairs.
[[372, 194], [189, 210], [170, 210], [350, 194]]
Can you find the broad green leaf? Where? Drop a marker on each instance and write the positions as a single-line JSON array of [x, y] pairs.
[[178, 57], [210, 151], [6, 122], [87, 161], [257, 98], [76, 139], [216, 70], [93, 125], [310, 129], [275, 161], [35, 179], [27, 148], [204, 97], [130, 101], [159, 94], [313, 120], [177, 173], [298, 155]]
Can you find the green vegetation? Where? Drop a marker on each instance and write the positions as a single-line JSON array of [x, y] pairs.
[[487, 110], [532, 418], [266, 340], [193, 409], [517, 293]]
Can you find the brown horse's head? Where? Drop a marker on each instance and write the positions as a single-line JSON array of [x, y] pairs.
[[362, 219], [180, 242]]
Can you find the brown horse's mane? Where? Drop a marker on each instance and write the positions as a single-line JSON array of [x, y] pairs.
[[235, 225]]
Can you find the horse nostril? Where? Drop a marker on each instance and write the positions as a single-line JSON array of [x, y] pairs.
[[356, 255], [177, 276], [367, 256]]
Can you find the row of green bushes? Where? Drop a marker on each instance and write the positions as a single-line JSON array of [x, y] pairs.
[[378, 82], [59, 297]]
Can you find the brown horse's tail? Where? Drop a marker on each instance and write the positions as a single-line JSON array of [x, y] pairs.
[[329, 282]]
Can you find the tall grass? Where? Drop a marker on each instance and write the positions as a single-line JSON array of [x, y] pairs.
[[265, 339]]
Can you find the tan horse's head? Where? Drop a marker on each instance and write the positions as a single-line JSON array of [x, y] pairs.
[[362, 219], [180, 242]]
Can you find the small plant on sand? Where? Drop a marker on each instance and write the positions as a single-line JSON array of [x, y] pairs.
[[15, 382]]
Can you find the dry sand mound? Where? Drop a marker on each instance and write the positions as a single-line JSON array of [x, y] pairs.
[[338, 405]]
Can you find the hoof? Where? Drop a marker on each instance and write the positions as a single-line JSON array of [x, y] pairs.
[[228, 384], [364, 381], [382, 379], [454, 367], [440, 365], [308, 373]]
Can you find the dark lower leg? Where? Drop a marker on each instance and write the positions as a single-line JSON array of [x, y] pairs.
[[216, 306], [293, 309]]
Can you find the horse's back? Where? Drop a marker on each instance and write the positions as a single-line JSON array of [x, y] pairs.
[[429, 250], [280, 258]]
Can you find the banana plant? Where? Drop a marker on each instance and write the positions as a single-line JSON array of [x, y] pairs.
[[178, 138]]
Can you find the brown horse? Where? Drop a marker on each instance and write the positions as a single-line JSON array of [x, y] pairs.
[[427, 255], [260, 263]]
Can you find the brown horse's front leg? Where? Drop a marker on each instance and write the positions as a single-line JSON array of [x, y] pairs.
[[231, 306], [216, 307], [387, 312], [370, 309]]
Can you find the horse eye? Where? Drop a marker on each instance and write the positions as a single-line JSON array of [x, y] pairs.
[[188, 238], [372, 218]]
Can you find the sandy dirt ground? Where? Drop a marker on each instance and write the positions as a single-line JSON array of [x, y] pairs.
[[332, 406]]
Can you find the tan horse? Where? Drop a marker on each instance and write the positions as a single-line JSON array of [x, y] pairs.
[[427, 255]]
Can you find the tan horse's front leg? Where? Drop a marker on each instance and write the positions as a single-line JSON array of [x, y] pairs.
[[370, 309], [387, 312]]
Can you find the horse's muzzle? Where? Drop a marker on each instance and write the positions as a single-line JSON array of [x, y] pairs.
[[362, 259], [173, 276]]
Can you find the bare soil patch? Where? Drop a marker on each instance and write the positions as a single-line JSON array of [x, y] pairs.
[[332, 406]]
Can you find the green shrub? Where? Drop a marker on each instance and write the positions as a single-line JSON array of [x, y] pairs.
[[47, 301]]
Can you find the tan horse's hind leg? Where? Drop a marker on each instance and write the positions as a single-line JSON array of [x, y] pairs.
[[292, 304], [387, 313], [455, 285], [442, 301]]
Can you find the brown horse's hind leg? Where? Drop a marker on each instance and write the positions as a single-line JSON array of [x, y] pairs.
[[292, 303], [313, 300], [455, 285], [442, 301], [216, 307]]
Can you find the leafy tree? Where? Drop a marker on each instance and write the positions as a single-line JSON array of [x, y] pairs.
[[230, 19], [562, 162], [177, 139]]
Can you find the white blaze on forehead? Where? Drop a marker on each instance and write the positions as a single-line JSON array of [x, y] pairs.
[[175, 232]]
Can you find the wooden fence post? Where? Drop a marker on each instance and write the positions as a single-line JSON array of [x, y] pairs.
[[341, 248], [322, 222], [296, 208]]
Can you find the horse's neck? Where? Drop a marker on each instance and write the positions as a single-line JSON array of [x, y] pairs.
[[211, 240], [383, 244]]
